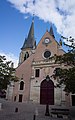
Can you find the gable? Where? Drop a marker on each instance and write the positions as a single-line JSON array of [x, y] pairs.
[[47, 43]]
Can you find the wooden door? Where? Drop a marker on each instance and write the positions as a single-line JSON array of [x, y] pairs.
[[47, 92]]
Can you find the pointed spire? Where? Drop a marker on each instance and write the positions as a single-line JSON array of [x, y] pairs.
[[51, 31], [31, 31], [30, 41]]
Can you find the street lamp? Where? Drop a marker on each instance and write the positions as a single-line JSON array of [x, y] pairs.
[[47, 104], [47, 78]]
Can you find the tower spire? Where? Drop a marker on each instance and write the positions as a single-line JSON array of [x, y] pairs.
[[51, 31], [30, 41], [33, 18]]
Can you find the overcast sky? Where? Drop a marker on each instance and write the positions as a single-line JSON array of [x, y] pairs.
[[15, 20]]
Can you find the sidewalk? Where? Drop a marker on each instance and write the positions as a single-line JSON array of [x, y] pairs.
[[26, 111]]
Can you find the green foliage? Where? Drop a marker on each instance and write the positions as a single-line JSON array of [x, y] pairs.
[[66, 75], [67, 59], [7, 72]]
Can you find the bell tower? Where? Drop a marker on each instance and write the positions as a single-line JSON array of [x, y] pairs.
[[29, 45]]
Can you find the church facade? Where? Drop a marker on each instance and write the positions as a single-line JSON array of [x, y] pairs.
[[35, 71]]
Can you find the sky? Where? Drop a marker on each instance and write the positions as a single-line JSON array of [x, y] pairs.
[[16, 18]]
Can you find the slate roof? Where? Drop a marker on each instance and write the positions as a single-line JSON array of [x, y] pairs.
[[30, 41]]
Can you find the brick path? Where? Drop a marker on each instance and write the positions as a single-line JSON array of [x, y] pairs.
[[26, 111]]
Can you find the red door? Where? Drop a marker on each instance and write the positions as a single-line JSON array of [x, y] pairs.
[[47, 92]]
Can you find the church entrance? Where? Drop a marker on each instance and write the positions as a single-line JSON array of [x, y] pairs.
[[47, 92]]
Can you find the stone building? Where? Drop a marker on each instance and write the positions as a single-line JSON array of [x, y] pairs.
[[35, 66]]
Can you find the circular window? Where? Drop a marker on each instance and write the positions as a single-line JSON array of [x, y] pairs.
[[47, 54]]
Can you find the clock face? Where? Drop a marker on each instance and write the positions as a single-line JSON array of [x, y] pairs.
[[47, 40]]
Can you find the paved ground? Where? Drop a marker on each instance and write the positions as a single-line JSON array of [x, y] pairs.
[[26, 111]]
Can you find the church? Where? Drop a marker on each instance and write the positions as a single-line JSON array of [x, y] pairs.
[[35, 70]]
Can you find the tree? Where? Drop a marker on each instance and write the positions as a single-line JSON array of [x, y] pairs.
[[7, 72], [66, 75]]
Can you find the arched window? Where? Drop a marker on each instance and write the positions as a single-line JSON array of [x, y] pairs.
[[26, 55], [21, 85]]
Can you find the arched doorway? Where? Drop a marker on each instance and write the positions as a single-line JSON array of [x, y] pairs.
[[47, 92]]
